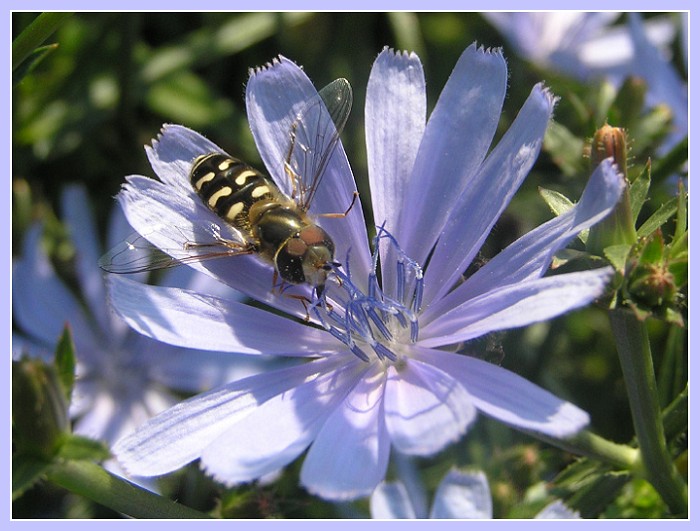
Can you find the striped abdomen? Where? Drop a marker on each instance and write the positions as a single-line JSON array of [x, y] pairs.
[[230, 188], [279, 231]]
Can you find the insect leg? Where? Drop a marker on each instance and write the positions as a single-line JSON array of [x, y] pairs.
[[355, 195]]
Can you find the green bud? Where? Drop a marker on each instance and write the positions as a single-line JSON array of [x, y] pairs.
[[618, 227], [609, 142], [39, 408], [652, 285], [631, 100], [654, 281]]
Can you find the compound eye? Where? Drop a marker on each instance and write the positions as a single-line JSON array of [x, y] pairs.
[[296, 247]]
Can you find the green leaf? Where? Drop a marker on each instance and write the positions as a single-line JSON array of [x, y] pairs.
[[679, 270], [34, 35], [589, 487], [565, 148], [556, 201], [658, 218], [76, 447], [65, 361], [681, 218], [638, 191], [36, 57], [209, 44], [673, 162], [617, 255], [26, 471], [95, 483], [653, 249], [185, 98]]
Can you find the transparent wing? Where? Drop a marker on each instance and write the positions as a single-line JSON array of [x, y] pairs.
[[314, 135], [137, 254]]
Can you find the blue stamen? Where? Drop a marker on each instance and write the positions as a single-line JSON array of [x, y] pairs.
[[383, 352], [359, 353], [400, 279], [374, 318], [379, 323]]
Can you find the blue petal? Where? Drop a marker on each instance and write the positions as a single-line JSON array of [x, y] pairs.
[[508, 397], [81, 224], [350, 455], [463, 495], [187, 319], [172, 153], [516, 305], [196, 370], [180, 434], [391, 501], [281, 428], [531, 255], [488, 194], [557, 511], [456, 140], [425, 408], [395, 114], [275, 95], [42, 304]]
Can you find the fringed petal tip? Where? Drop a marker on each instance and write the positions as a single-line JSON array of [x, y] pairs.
[[403, 54], [273, 63], [549, 97]]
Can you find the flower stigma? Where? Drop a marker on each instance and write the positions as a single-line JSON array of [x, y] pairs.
[[374, 319]]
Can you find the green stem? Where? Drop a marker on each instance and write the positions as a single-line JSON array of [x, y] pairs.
[[588, 444], [34, 35], [638, 371], [93, 482]]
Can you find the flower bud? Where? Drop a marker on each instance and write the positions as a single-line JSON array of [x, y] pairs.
[[609, 142], [652, 285], [653, 280], [39, 408], [618, 227]]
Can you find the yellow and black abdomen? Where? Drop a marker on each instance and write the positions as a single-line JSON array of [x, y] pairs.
[[278, 229], [230, 188]]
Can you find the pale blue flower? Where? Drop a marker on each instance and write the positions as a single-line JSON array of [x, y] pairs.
[[123, 378], [583, 44], [587, 46], [379, 370], [460, 495]]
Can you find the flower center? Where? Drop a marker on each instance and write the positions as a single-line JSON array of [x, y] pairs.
[[375, 321]]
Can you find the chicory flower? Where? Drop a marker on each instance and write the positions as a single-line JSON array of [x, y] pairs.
[[123, 378], [588, 46], [460, 495], [379, 373]]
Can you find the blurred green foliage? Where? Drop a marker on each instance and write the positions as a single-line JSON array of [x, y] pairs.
[[85, 110]]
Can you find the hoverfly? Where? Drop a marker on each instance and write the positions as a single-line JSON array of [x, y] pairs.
[[271, 224]]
